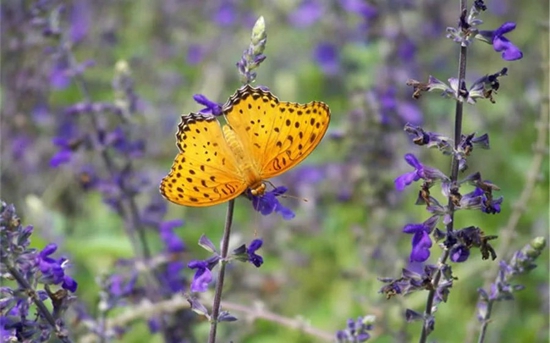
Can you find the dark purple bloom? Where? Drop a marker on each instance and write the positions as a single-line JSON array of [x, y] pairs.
[[203, 276], [328, 58], [210, 106], [53, 269], [510, 52], [173, 243], [307, 13], [479, 199], [420, 172], [421, 242], [268, 203], [256, 260], [460, 253]]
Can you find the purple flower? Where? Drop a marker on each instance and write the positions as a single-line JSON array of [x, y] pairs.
[[356, 330], [53, 269], [256, 260], [120, 286], [459, 253], [268, 203], [60, 77], [420, 172], [510, 52], [421, 242], [306, 14], [203, 276], [173, 277], [80, 20], [173, 243], [360, 7], [479, 199], [327, 56], [195, 54], [210, 106], [225, 14]]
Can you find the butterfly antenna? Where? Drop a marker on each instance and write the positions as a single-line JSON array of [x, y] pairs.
[[289, 196]]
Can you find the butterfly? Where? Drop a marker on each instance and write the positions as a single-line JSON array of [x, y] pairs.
[[262, 138]]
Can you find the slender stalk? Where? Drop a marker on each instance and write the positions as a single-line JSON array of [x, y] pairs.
[[459, 110], [221, 273]]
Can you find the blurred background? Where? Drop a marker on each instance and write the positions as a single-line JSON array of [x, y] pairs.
[[131, 69]]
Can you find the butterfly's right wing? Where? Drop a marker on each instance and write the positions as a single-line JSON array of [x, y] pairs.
[[205, 171], [277, 134]]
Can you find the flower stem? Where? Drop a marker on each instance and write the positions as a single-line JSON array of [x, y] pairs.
[[221, 273], [459, 109]]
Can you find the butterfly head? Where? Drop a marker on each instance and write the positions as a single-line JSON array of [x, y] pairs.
[[258, 189]]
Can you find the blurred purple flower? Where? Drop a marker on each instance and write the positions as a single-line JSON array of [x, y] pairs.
[[420, 172], [360, 7], [172, 242], [173, 277], [268, 203], [306, 14], [80, 20], [256, 260], [60, 76], [510, 52], [356, 331], [121, 286], [225, 14], [327, 56], [195, 54]]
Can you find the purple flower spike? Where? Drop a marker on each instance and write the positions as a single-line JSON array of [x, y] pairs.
[[256, 260], [510, 52], [211, 107]]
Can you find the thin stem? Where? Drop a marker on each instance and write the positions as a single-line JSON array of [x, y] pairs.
[[221, 273], [39, 304], [485, 323], [459, 109]]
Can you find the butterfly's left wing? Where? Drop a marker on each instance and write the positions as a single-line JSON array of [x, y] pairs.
[[278, 135], [205, 171]]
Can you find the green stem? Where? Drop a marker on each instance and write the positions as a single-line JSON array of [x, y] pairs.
[[221, 273]]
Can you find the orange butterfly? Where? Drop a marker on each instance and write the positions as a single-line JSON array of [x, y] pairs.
[[263, 138]]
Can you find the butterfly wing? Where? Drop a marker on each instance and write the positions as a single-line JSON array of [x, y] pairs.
[[205, 171], [277, 134]]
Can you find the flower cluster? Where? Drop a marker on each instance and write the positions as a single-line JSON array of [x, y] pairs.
[[30, 269], [203, 268], [456, 243], [501, 289]]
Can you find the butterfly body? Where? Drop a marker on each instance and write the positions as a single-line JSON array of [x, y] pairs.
[[263, 138]]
